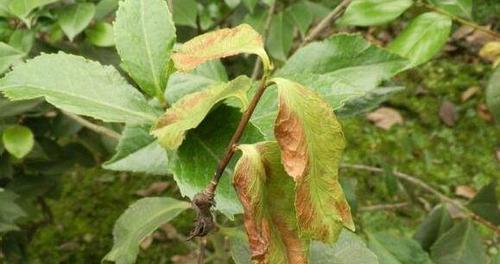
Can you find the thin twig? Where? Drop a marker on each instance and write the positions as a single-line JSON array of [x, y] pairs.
[[415, 181], [379, 207], [201, 253], [461, 20], [327, 21], [258, 65], [96, 128], [204, 201]]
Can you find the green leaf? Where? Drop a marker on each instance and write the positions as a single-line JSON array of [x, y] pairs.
[[138, 221], [349, 249], [461, 8], [185, 12], [492, 94], [301, 16], [220, 44], [73, 19], [369, 101], [393, 250], [240, 250], [18, 140], [311, 157], [9, 56], [434, 225], [250, 4], [80, 86], [267, 195], [280, 37], [104, 8], [101, 34], [422, 38], [460, 245], [22, 40], [194, 162], [144, 37], [189, 111], [10, 211], [232, 3], [138, 151], [23, 8], [332, 68], [12, 108], [485, 204], [373, 12], [205, 75]]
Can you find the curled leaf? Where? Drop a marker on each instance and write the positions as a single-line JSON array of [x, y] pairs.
[[220, 44], [267, 195], [189, 111], [311, 142]]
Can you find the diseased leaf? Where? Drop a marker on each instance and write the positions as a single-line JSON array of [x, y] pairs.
[[493, 94], [9, 56], [332, 68], [373, 12], [18, 140], [189, 111], [144, 37], [460, 245], [462, 8], [394, 250], [311, 142], [73, 19], [434, 225], [267, 195], [193, 164], [80, 86], [138, 151], [422, 38], [220, 44], [137, 222], [349, 249], [205, 75], [485, 203]]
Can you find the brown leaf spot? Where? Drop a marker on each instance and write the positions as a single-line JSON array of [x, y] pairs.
[[465, 191], [447, 113], [467, 94], [385, 117], [292, 140], [146, 242]]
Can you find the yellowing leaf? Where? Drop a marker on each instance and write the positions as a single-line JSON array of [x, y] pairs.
[[311, 142], [189, 111], [267, 195], [219, 44]]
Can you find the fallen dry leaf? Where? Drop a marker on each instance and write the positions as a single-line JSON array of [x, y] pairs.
[[479, 38], [385, 117], [169, 230], [465, 191], [467, 94], [146, 242], [462, 32], [497, 154], [190, 258], [447, 113], [153, 189], [484, 113]]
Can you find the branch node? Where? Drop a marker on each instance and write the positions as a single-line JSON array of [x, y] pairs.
[[202, 203]]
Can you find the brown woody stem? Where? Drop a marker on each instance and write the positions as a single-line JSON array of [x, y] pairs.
[[203, 201]]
